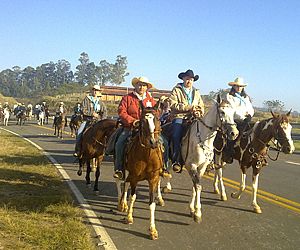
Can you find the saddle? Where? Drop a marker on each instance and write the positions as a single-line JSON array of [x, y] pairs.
[[110, 149]]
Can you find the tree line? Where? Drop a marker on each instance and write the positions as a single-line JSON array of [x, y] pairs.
[[50, 78]]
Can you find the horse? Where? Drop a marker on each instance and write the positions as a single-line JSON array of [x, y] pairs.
[[74, 124], [58, 124], [41, 117], [143, 161], [197, 146], [6, 114], [94, 142], [21, 117], [251, 150]]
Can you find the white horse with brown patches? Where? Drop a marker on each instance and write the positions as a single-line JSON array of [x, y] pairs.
[[251, 150], [197, 146]]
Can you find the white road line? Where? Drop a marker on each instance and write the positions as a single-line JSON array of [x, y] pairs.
[[105, 239], [294, 163]]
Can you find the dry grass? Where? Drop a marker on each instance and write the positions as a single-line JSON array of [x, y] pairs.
[[36, 207]]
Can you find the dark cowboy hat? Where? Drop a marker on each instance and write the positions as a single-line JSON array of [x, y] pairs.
[[188, 73]]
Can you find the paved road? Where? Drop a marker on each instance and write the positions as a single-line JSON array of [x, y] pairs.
[[225, 225]]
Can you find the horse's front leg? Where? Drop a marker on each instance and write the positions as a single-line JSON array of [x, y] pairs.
[[159, 198], [237, 195], [88, 171], [122, 201], [97, 173], [129, 219], [256, 207], [79, 172], [219, 177], [195, 204], [152, 189]]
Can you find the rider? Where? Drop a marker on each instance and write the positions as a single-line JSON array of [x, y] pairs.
[[243, 112], [61, 111], [44, 106], [185, 101], [93, 110], [6, 105], [129, 114], [77, 109]]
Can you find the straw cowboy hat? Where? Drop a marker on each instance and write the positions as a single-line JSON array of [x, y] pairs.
[[142, 79], [239, 81], [61, 103], [97, 87], [188, 73]]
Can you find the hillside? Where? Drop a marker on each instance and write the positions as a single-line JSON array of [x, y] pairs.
[[10, 100]]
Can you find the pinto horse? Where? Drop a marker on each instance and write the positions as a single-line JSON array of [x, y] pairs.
[[251, 150], [197, 146], [6, 115], [74, 124], [94, 142], [143, 161]]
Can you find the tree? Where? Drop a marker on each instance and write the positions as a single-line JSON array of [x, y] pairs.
[[119, 70], [63, 72], [103, 72], [86, 70], [274, 105]]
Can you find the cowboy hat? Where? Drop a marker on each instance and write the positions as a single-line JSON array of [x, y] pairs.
[[61, 103], [142, 79], [188, 73], [239, 81], [96, 87]]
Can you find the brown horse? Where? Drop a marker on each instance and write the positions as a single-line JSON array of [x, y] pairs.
[[143, 161], [251, 150], [59, 124], [94, 142], [21, 117], [74, 124]]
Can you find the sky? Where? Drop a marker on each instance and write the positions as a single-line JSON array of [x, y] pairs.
[[219, 40]]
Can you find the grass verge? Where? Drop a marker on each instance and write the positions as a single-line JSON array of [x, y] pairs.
[[36, 206]]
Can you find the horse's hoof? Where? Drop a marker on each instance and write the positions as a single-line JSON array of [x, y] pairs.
[[96, 192], [153, 234], [197, 219], [224, 197], [88, 185], [235, 196], [129, 220], [166, 190], [79, 172], [216, 191], [257, 210], [160, 202]]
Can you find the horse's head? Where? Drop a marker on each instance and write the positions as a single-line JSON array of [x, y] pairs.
[[225, 118], [149, 126], [282, 132]]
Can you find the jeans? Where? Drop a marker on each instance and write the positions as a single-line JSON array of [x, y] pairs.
[[119, 150], [177, 128], [165, 143]]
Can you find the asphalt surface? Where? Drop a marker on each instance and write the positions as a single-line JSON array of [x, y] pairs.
[[225, 225]]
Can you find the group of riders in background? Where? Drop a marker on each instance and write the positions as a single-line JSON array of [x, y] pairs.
[[184, 103]]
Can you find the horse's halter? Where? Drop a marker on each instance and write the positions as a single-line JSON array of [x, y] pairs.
[[221, 124], [280, 136], [149, 127]]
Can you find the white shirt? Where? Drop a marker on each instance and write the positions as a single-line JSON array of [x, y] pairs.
[[242, 106]]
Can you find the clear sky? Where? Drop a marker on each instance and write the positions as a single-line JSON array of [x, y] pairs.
[[218, 39]]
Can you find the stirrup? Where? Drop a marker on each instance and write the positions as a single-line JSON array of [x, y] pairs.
[[118, 175], [165, 173], [177, 168]]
